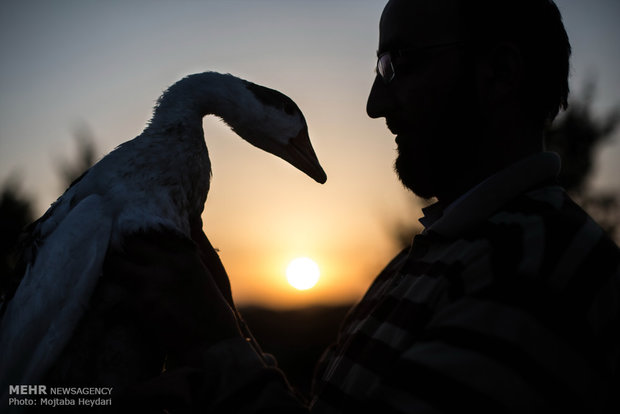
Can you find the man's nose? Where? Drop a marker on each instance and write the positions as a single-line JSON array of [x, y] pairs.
[[379, 101]]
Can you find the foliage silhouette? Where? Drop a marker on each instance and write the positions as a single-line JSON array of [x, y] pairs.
[[16, 212], [576, 136], [87, 155], [17, 209]]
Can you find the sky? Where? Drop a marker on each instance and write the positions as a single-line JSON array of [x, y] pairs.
[[69, 64]]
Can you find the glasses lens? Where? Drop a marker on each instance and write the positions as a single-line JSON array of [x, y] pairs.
[[385, 68]]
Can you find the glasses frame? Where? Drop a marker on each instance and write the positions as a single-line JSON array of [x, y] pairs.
[[385, 60]]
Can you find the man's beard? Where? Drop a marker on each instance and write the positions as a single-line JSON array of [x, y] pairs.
[[412, 179], [429, 163], [419, 173]]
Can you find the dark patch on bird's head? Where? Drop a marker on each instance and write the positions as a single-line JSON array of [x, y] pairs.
[[281, 130], [273, 98]]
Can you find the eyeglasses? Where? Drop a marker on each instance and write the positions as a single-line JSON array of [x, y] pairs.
[[385, 61]]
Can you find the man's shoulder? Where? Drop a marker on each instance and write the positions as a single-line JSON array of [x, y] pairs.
[[545, 215], [543, 206], [545, 233]]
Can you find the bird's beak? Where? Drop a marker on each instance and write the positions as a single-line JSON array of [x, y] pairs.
[[299, 153]]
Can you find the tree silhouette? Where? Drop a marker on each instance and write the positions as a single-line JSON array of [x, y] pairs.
[[16, 212], [576, 135], [17, 209], [87, 155]]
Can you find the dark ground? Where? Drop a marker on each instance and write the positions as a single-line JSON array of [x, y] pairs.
[[297, 338]]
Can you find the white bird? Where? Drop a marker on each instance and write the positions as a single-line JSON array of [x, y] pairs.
[[157, 181]]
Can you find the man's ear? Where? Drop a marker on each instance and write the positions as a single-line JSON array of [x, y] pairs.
[[500, 73]]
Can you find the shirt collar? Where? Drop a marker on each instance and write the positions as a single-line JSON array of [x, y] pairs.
[[487, 197]]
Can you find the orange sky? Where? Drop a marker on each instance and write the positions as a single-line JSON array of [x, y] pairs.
[[264, 215]]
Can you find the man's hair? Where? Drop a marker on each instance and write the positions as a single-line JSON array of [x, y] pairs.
[[535, 27]]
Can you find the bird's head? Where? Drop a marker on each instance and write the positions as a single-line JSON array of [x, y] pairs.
[[273, 122]]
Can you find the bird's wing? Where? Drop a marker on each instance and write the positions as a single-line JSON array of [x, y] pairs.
[[52, 296]]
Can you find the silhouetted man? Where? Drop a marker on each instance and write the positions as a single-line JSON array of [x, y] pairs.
[[509, 299]]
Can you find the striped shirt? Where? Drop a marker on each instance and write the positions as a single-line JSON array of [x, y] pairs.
[[508, 302]]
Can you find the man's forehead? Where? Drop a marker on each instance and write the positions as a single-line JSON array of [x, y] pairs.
[[411, 23]]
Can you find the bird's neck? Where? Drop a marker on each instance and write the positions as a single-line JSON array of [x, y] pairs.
[[195, 96], [173, 157]]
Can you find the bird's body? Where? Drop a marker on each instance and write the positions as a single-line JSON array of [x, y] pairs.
[[156, 182]]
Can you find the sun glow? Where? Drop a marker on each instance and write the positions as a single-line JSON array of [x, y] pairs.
[[302, 273]]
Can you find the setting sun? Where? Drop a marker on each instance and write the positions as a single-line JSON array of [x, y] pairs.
[[302, 273]]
